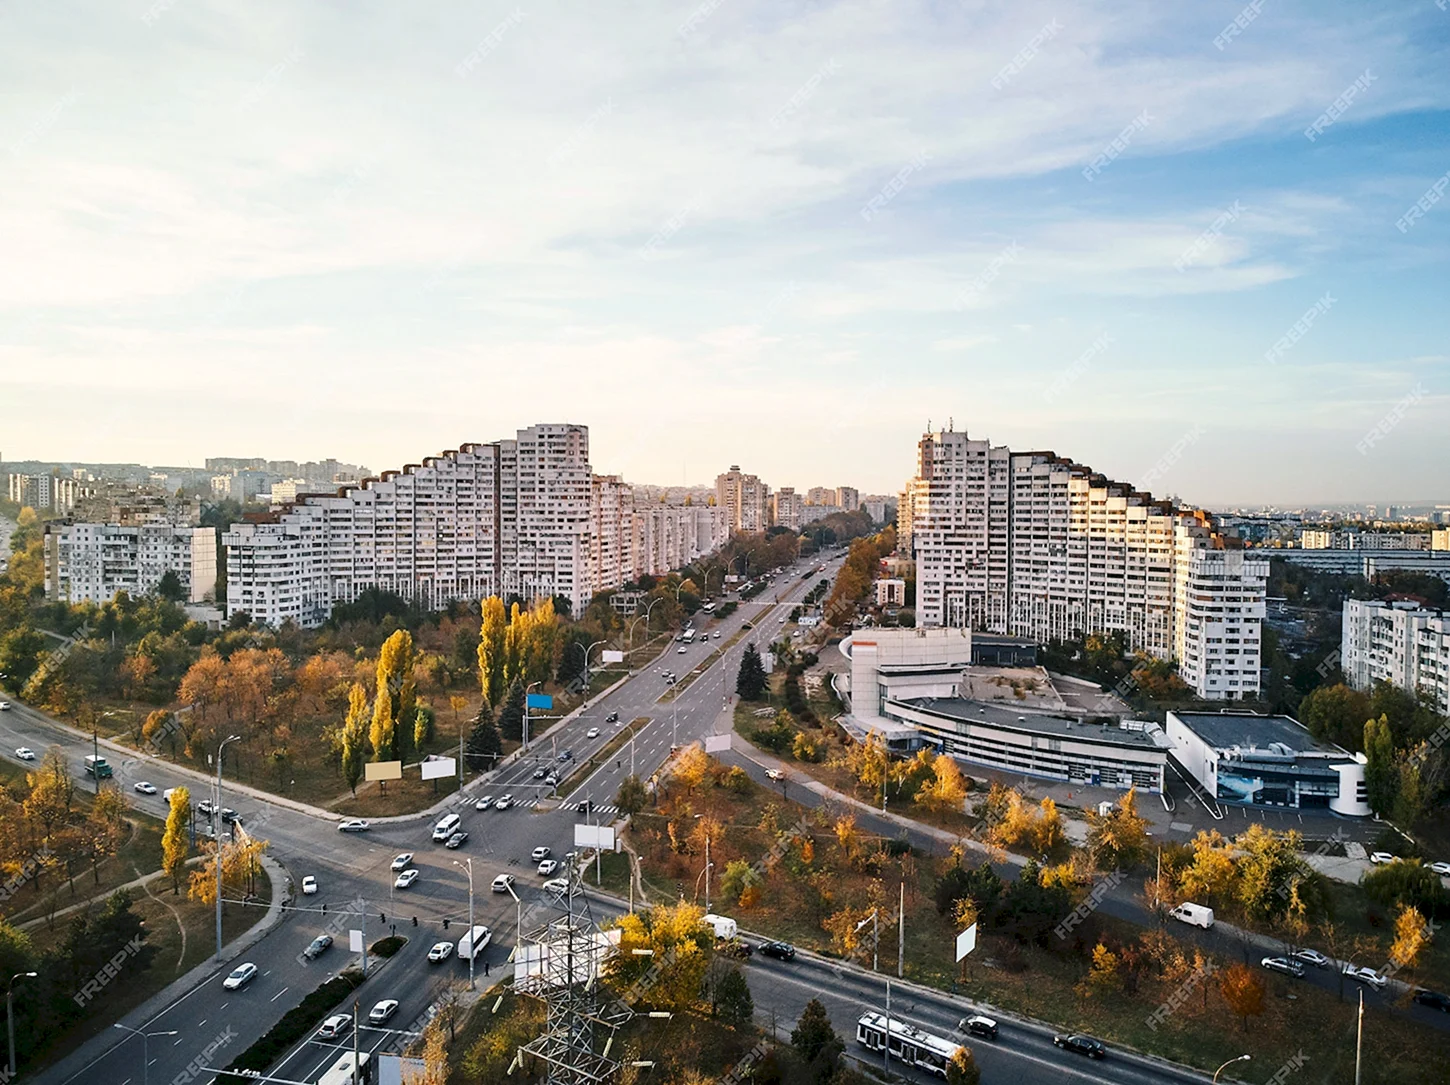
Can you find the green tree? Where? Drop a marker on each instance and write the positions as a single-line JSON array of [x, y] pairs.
[[20, 654], [750, 682], [485, 744], [733, 1003], [491, 650], [632, 796], [174, 839], [1336, 714], [816, 1042], [423, 723], [511, 717], [1381, 771], [169, 587]]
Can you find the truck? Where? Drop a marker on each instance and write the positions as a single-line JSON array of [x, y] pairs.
[[1193, 914], [97, 767], [723, 926], [473, 942]]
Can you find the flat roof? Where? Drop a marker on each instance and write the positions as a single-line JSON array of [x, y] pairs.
[[1037, 723], [1223, 730]]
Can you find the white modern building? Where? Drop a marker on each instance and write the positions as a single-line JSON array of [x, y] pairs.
[[1035, 545], [1399, 643], [93, 563]]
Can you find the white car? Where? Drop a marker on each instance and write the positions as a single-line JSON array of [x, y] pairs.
[[559, 886], [1442, 869], [502, 883], [504, 803], [593, 732], [400, 862], [680, 652], [405, 879], [717, 634], [483, 803], [146, 789], [4, 706], [1312, 956], [309, 886], [547, 867], [540, 853], [441, 951], [25, 753], [241, 975], [774, 774], [334, 1026], [383, 1010], [353, 825], [1365, 974], [1378, 857]]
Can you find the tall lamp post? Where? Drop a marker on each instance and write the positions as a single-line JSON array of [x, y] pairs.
[[10, 1015], [591, 648], [145, 1047], [518, 922], [467, 864], [530, 686], [217, 836], [1225, 1066]]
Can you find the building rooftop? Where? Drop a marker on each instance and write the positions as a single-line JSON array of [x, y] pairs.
[[1224, 730], [1038, 723]]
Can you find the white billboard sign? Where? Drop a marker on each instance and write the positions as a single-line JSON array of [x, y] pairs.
[[440, 769], [966, 941], [355, 941], [612, 656], [717, 743], [594, 836], [383, 770]]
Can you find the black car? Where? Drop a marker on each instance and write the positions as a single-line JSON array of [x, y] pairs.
[[613, 717], [781, 951], [978, 1025], [1083, 1045], [585, 807], [229, 815], [318, 946], [456, 840], [567, 755], [1434, 999]]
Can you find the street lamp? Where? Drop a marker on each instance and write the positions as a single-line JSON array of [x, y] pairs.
[[1241, 1058], [706, 872], [591, 648], [10, 1016], [217, 836], [518, 922], [530, 686], [145, 1047], [473, 954]]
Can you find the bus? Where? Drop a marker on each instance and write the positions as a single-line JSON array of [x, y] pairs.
[[689, 636], [342, 1071], [474, 941], [909, 1045]]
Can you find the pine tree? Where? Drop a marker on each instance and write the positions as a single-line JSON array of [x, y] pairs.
[[511, 717], [484, 742], [750, 682], [733, 1003], [813, 1037]]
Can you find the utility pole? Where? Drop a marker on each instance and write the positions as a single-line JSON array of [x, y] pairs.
[[355, 1073], [707, 872], [901, 935], [1359, 1038], [886, 1051], [216, 815]]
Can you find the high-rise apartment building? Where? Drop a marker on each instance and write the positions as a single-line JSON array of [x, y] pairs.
[[1310, 539], [93, 563], [1400, 643], [785, 508], [1035, 545], [821, 495], [848, 498], [612, 543], [48, 492], [744, 499]]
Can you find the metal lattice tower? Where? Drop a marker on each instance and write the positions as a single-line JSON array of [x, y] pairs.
[[564, 960]]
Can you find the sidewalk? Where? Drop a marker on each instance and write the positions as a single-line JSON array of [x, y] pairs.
[[97, 1046]]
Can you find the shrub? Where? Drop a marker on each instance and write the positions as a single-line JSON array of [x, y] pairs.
[[298, 1022], [384, 948]]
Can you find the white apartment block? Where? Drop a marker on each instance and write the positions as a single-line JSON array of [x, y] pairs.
[[848, 498], [1218, 614], [612, 549], [668, 537], [1399, 643], [786, 507], [93, 563], [45, 492], [821, 495], [1032, 544], [1440, 539], [1310, 539], [744, 499]]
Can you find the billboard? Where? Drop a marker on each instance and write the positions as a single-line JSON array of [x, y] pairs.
[[355, 941], [440, 769], [540, 700], [383, 770], [966, 941], [594, 836], [612, 656], [716, 743]]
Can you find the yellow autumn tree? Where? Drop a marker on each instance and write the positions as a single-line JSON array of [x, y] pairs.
[[174, 841], [947, 787], [671, 974], [491, 651], [1412, 936]]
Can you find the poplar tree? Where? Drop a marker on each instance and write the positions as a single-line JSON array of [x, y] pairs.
[[354, 734], [174, 839], [491, 650]]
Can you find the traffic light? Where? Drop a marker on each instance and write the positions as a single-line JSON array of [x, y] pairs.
[[415, 921], [445, 924], [382, 917]]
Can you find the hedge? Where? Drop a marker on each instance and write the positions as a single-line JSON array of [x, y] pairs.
[[298, 1022]]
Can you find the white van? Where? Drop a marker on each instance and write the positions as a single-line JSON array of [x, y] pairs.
[[1194, 914], [474, 942], [723, 926], [446, 828]]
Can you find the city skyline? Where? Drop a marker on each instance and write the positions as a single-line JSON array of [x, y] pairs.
[[733, 236]]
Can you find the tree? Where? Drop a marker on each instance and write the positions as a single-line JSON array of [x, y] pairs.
[[485, 744], [1381, 771], [670, 977], [174, 839], [352, 737], [383, 729], [1412, 936], [511, 716], [632, 796], [1243, 991], [750, 681], [947, 789], [1119, 840], [813, 1038], [1209, 879], [733, 1003], [169, 587], [423, 722], [1336, 714], [962, 1068], [692, 768], [491, 650], [1104, 973], [397, 687]]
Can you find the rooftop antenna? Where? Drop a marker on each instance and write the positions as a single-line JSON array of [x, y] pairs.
[[951, 424]]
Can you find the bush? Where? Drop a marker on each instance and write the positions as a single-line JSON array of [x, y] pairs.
[[1395, 885], [298, 1022], [384, 948]]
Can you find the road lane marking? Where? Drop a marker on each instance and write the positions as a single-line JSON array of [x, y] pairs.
[[279, 994]]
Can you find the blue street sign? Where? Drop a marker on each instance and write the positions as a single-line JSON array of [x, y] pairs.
[[541, 700]]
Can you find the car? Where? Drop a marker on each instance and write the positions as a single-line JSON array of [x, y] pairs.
[[1082, 1045], [540, 853], [483, 803], [978, 1025], [503, 883], [593, 732], [4, 706], [1285, 965], [559, 886], [1434, 999], [309, 886], [774, 774], [781, 620], [613, 717], [317, 947], [781, 951], [240, 976], [25, 753], [747, 625], [145, 788], [504, 803], [552, 779], [1312, 956], [717, 634], [457, 840], [334, 1026], [382, 1011], [400, 862], [680, 651], [1365, 974], [405, 879], [567, 755], [205, 807], [229, 816], [539, 774], [441, 951], [547, 867], [1378, 857], [1442, 869], [586, 806], [353, 825]]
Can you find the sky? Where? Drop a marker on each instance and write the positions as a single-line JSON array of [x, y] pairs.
[[1200, 247]]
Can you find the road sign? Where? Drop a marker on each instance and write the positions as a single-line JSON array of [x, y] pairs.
[[716, 743], [966, 941], [541, 700]]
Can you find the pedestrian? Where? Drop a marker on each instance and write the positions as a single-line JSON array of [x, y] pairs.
[[485, 968]]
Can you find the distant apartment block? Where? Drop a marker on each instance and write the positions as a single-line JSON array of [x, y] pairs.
[[93, 563], [881, 509], [786, 507], [1035, 545], [744, 501], [1400, 643], [45, 492], [821, 495], [1367, 540], [1440, 539], [848, 498], [890, 591]]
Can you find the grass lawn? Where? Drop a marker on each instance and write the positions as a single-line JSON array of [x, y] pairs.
[[141, 851]]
